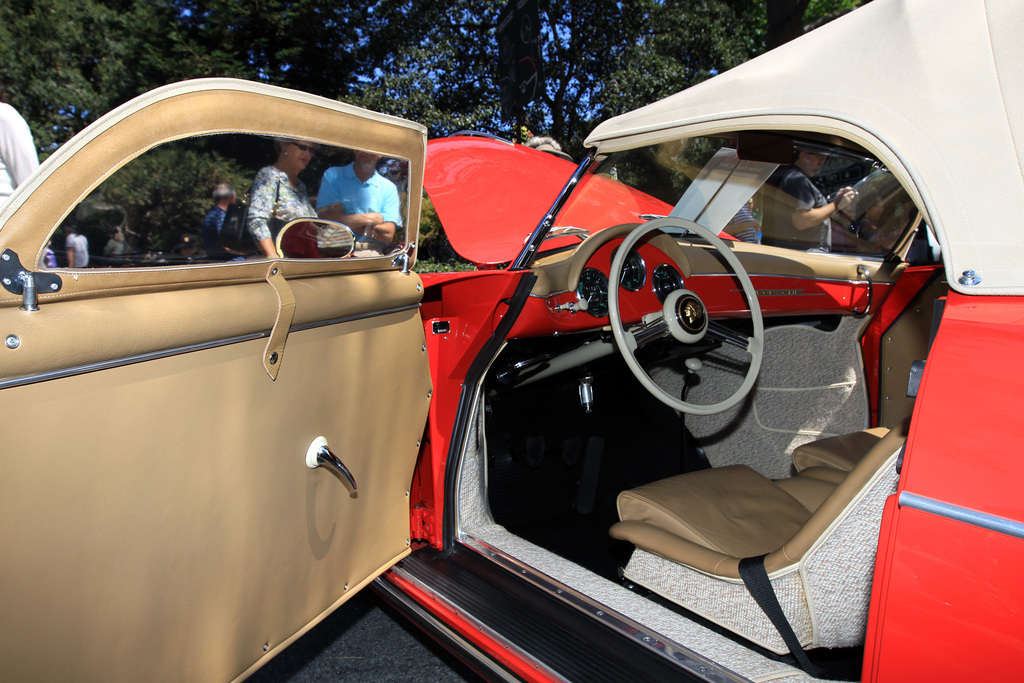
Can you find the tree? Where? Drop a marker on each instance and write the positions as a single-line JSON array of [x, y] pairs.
[[789, 19], [74, 69], [433, 62], [88, 56], [705, 37], [308, 45]]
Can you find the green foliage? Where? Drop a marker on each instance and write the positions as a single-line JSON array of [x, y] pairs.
[[434, 248], [822, 9], [68, 62], [685, 42], [433, 62], [165, 194], [442, 266]]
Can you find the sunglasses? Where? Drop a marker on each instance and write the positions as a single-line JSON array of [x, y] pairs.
[[312, 149]]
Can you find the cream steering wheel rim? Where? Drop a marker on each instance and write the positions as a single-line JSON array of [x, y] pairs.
[[626, 344]]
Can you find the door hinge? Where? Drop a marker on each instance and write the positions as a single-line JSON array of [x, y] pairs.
[[421, 521]]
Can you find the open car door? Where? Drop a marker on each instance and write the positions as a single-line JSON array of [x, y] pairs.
[[168, 506]]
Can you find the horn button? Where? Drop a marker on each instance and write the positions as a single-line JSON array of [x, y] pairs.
[[686, 316]]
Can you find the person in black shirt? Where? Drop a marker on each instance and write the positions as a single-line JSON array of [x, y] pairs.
[[797, 213]]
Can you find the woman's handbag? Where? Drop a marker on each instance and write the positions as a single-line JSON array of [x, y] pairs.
[[274, 222], [234, 231]]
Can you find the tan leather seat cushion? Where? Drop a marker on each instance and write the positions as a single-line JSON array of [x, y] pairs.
[[724, 509], [810, 491], [826, 474], [841, 452]]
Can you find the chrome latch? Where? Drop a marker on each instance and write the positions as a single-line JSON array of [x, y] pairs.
[[25, 283], [864, 274], [401, 261]]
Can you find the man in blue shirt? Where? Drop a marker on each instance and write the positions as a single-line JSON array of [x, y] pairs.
[[361, 198]]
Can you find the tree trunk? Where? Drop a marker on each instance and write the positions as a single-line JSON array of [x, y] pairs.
[[785, 21]]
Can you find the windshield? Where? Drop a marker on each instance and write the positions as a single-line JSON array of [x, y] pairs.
[[825, 199]]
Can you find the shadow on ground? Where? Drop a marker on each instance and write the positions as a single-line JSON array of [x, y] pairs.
[[365, 640]]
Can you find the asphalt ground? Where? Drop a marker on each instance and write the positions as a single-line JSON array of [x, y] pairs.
[[365, 640]]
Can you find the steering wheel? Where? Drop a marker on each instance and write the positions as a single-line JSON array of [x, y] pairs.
[[684, 316]]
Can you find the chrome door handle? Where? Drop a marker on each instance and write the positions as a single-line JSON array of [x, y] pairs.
[[864, 274], [319, 454]]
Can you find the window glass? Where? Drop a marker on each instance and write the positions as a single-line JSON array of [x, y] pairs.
[[806, 196], [218, 198]]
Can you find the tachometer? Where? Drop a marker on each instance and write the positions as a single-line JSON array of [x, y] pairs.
[[634, 273], [666, 280], [593, 288]]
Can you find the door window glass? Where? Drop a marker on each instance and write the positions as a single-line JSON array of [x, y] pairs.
[[220, 198]]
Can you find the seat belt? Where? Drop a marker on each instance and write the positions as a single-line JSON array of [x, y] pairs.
[[755, 578]]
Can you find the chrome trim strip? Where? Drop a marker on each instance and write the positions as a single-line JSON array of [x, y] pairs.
[[480, 626], [956, 513], [167, 353], [840, 280], [454, 636], [350, 318], [753, 275], [652, 640]]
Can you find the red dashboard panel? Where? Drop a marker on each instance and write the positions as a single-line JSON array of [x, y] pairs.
[[721, 293]]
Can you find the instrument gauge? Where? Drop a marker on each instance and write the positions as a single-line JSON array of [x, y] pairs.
[[593, 288], [666, 280], [634, 273]]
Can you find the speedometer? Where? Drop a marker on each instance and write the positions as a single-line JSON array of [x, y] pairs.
[[593, 288], [666, 279]]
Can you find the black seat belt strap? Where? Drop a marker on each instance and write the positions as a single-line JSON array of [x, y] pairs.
[[755, 578]]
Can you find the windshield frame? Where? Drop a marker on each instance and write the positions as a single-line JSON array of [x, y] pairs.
[[892, 247], [531, 249]]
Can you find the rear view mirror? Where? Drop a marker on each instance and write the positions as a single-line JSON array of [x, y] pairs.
[[771, 149], [315, 238]]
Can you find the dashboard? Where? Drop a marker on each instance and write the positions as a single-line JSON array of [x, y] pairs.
[[571, 289], [571, 293]]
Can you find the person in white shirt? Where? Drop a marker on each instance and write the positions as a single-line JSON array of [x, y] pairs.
[[18, 156], [77, 246]]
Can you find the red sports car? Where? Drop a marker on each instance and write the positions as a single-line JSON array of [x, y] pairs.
[[730, 400]]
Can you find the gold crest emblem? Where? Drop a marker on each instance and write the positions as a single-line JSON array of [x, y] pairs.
[[691, 313]]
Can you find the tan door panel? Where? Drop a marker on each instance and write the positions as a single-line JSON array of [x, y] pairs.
[[158, 518], [906, 340]]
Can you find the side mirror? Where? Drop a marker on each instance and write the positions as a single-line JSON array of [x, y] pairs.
[[315, 238]]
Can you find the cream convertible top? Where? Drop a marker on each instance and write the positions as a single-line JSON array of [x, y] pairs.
[[933, 87]]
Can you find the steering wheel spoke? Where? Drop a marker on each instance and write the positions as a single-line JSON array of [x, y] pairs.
[[653, 327], [726, 336]]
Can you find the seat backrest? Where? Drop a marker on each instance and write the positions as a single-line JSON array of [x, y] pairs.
[[853, 486], [841, 452]]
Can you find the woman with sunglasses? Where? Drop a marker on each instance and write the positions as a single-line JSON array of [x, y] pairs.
[[278, 195]]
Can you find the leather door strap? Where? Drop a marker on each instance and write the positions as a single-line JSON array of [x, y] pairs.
[[274, 352]]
